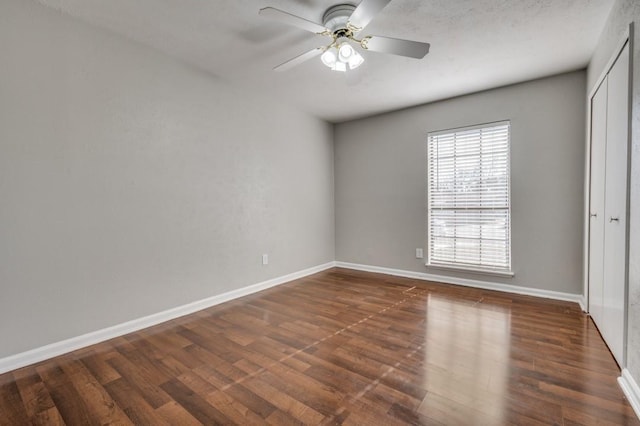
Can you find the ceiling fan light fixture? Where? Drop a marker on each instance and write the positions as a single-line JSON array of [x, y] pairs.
[[329, 57], [355, 60], [345, 52], [341, 57], [340, 66]]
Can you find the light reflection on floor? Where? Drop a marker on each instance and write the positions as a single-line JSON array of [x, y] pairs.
[[466, 360]]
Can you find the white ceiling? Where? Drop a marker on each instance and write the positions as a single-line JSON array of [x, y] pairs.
[[475, 45]]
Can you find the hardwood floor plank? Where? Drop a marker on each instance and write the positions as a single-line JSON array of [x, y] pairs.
[[228, 406], [65, 396], [100, 406], [140, 380], [175, 414], [194, 403], [283, 401], [133, 404], [237, 412], [442, 410], [100, 369], [254, 402], [338, 347], [317, 396], [49, 417], [34, 394], [362, 413], [12, 409], [278, 418]]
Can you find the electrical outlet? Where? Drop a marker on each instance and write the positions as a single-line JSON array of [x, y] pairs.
[[419, 253], [265, 259]]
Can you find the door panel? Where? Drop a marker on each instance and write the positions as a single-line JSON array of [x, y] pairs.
[[596, 202], [615, 234]]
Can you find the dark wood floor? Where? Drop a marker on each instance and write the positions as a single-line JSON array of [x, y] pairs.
[[338, 347]]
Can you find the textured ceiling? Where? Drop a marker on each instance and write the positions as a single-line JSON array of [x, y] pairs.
[[475, 45]]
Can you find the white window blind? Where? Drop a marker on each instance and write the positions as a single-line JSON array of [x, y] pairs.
[[469, 198]]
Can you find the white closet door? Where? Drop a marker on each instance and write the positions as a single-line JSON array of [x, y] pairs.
[[615, 234], [596, 202]]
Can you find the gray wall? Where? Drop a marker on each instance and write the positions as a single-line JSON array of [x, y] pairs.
[[130, 183], [380, 173], [623, 13]]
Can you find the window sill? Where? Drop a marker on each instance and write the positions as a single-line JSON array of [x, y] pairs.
[[509, 274]]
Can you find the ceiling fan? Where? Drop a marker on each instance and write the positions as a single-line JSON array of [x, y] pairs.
[[343, 23]]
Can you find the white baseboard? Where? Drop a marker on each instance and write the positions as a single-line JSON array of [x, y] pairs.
[[583, 303], [42, 353], [547, 294], [33, 356], [631, 390]]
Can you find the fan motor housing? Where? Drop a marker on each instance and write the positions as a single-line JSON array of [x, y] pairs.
[[336, 18]]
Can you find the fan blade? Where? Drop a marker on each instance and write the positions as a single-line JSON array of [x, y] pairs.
[[366, 11], [395, 46], [289, 19], [299, 59]]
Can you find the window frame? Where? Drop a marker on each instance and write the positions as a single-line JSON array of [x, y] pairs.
[[489, 270]]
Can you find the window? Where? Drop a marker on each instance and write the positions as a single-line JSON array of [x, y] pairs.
[[468, 195]]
